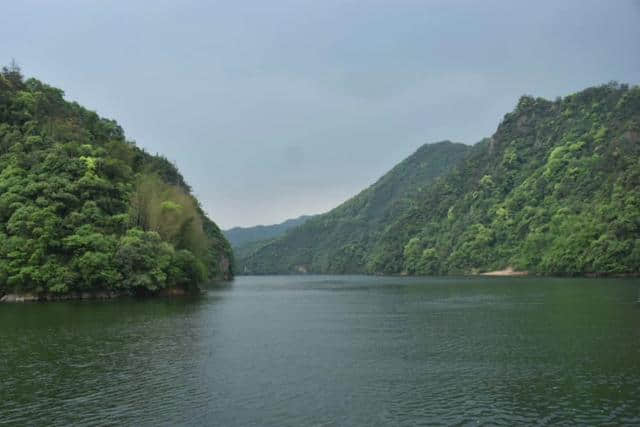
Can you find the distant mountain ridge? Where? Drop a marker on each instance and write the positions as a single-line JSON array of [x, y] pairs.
[[338, 240], [553, 191], [240, 236]]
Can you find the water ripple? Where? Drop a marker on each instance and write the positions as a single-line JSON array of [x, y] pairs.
[[342, 351]]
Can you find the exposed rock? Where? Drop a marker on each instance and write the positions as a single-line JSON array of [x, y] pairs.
[[9, 298], [224, 266], [19, 298], [28, 298]]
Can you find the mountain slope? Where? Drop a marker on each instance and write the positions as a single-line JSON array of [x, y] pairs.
[[247, 240], [554, 191], [340, 240], [83, 210]]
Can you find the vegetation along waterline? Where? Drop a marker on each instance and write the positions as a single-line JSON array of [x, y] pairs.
[[86, 213]]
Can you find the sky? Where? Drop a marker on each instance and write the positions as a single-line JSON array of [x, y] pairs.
[[274, 109]]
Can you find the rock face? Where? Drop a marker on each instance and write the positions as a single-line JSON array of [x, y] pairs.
[[19, 298], [225, 268]]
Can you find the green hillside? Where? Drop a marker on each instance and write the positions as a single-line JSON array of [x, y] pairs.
[[340, 240], [84, 210], [553, 191]]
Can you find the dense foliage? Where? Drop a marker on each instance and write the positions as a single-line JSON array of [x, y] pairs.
[[340, 240], [82, 209], [553, 191]]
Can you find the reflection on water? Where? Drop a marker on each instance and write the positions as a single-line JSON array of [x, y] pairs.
[[316, 350]]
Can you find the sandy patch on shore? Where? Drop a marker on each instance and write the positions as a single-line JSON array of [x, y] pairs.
[[506, 272]]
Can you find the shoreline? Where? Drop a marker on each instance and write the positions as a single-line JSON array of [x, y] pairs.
[[32, 297], [496, 273], [91, 295]]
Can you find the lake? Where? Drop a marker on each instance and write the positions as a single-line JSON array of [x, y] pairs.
[[331, 350]]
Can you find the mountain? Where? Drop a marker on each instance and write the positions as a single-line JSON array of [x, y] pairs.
[[241, 236], [553, 191], [339, 240], [83, 210]]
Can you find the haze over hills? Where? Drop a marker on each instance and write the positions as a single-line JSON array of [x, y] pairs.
[[246, 240], [338, 240], [553, 191], [240, 236]]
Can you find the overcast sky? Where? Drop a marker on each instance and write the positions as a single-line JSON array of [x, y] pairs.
[[273, 109]]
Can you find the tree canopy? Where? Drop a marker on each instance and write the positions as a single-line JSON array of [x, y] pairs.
[[83, 209]]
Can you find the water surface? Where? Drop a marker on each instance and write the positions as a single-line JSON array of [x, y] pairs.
[[331, 350]]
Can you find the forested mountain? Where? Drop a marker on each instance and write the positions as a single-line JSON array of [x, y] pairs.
[[553, 191], [340, 240], [84, 210]]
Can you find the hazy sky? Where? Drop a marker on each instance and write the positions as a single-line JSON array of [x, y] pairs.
[[273, 109]]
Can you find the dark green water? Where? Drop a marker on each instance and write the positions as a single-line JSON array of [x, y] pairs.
[[330, 350]]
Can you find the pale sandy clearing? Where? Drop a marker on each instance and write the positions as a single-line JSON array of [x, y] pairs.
[[506, 272]]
